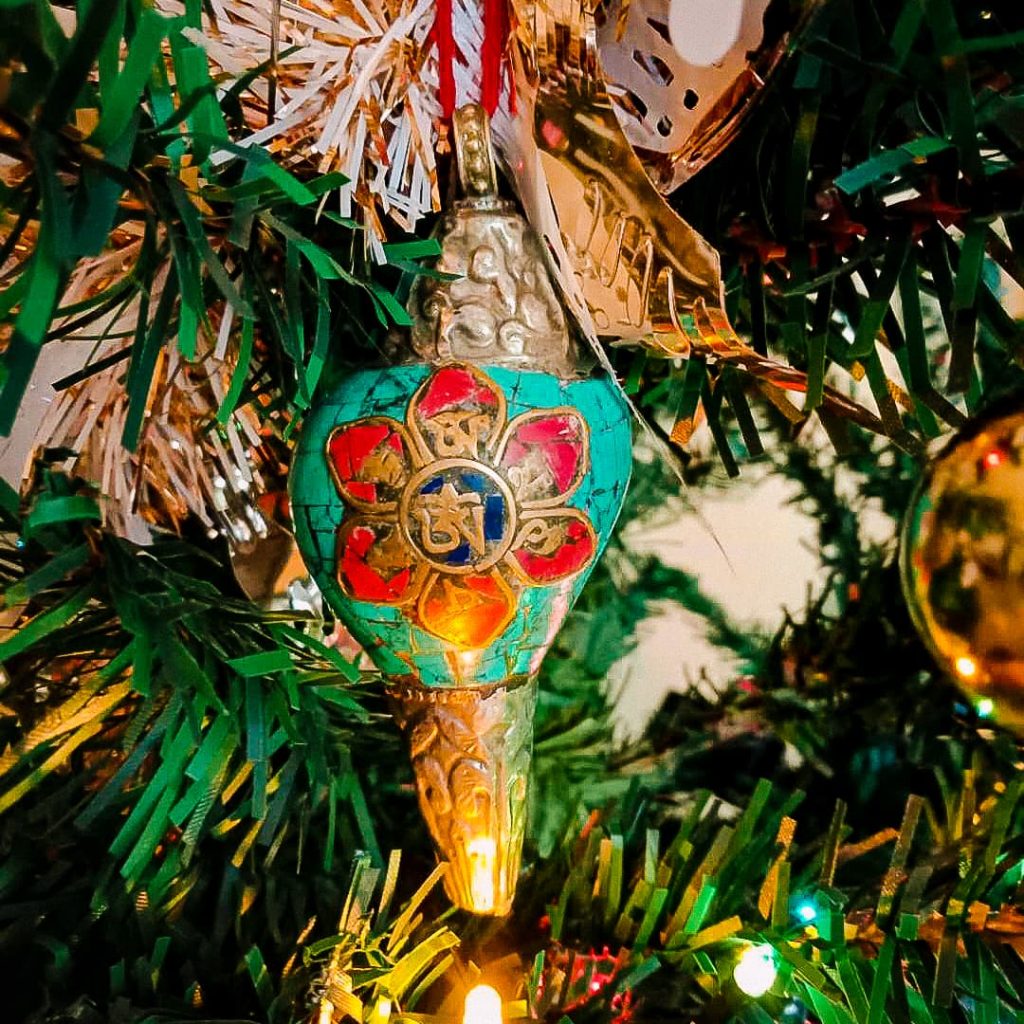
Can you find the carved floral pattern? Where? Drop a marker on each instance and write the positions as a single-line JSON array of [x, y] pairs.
[[455, 511], [471, 750]]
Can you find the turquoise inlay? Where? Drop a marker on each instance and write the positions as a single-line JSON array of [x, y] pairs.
[[384, 630]]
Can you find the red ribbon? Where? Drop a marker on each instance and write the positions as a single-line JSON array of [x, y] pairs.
[[496, 30], [493, 64], [445, 39]]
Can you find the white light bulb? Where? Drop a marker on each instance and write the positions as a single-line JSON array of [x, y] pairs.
[[756, 971], [483, 1006], [967, 667], [702, 32]]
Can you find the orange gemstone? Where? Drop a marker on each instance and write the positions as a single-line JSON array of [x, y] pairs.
[[468, 611]]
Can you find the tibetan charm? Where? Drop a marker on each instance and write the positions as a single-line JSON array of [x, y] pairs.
[[451, 505]]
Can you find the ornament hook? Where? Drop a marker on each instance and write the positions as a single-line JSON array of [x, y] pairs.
[[474, 154]]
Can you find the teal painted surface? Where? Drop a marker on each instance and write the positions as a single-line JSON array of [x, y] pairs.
[[383, 630]]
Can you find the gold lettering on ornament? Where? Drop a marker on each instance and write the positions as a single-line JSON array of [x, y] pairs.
[[458, 432], [386, 466], [448, 519], [542, 537], [531, 478]]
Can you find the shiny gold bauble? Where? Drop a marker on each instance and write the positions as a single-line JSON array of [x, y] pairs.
[[962, 564]]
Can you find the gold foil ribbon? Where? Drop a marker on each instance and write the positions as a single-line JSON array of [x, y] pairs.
[[631, 267]]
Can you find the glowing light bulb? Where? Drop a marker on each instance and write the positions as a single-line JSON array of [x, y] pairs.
[[985, 707], [966, 667], [483, 1006], [756, 971], [994, 458], [806, 911], [483, 853]]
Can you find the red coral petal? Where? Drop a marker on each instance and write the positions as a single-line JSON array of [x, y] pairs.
[[453, 385], [369, 460], [362, 489], [564, 460], [350, 447], [362, 581], [559, 438], [574, 553]]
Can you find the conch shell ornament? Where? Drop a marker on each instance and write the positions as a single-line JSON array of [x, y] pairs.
[[508, 470], [471, 746]]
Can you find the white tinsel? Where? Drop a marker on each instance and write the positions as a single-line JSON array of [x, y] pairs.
[[358, 94]]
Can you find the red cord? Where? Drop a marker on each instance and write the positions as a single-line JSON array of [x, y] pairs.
[[492, 58], [494, 65], [445, 56]]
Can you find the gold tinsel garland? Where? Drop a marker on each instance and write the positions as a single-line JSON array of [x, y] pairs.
[[186, 463]]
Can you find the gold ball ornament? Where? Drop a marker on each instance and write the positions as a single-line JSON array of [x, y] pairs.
[[962, 563]]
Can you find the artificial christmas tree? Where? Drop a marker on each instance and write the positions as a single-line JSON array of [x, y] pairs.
[[205, 813]]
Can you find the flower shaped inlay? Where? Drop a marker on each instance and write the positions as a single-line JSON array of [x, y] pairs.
[[455, 511]]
